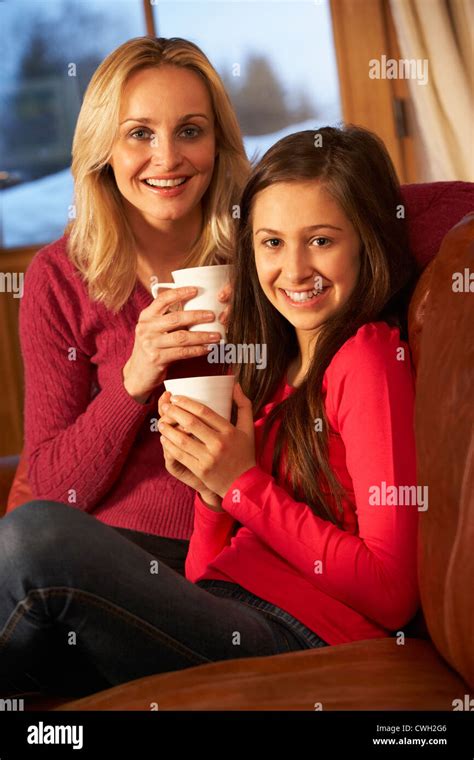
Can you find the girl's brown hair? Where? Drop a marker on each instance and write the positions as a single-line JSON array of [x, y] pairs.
[[357, 171]]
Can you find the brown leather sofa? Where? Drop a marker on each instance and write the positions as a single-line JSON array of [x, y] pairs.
[[423, 669]]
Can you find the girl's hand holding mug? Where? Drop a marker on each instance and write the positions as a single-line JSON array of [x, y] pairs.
[[206, 444], [178, 470], [162, 338]]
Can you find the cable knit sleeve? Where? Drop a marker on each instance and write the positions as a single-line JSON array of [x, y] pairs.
[[76, 444]]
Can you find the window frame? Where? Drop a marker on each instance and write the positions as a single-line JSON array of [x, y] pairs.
[[364, 30]]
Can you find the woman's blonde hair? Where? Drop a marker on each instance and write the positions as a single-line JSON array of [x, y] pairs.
[[100, 240]]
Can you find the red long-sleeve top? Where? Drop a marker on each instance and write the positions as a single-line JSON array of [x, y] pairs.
[[346, 584]]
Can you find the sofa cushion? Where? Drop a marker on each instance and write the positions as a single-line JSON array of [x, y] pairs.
[[432, 208]]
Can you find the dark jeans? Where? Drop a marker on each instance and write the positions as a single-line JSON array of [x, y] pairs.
[[171, 551], [84, 608]]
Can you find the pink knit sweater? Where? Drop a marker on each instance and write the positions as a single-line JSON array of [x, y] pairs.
[[90, 444]]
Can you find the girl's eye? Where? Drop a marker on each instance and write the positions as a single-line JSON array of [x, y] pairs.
[[193, 130], [139, 133], [321, 242], [271, 240]]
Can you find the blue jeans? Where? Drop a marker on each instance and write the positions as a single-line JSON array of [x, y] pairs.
[[83, 608]]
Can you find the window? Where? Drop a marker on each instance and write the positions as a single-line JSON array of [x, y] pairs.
[[276, 58], [51, 48]]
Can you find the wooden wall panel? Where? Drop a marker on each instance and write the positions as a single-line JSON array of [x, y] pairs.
[[11, 365]]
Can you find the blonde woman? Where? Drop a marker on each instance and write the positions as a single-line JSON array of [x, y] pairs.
[[158, 161]]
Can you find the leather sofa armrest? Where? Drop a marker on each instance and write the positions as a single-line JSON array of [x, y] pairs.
[[8, 467], [20, 491]]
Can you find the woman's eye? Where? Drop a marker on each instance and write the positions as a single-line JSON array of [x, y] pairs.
[[321, 242], [139, 133], [271, 240], [191, 131]]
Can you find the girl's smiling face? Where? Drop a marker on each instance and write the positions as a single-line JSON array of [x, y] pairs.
[[166, 132], [306, 252]]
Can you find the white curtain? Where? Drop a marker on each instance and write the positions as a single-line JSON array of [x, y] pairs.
[[441, 32]]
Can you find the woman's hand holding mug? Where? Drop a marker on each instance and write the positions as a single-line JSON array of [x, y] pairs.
[[162, 338]]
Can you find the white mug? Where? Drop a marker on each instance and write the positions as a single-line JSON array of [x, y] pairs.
[[209, 281], [215, 391]]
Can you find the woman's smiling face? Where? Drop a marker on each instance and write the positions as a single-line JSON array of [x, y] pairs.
[[166, 133], [306, 252]]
